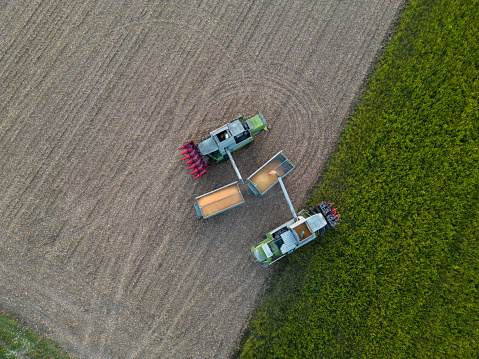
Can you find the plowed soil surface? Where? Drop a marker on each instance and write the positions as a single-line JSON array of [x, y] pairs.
[[100, 245]]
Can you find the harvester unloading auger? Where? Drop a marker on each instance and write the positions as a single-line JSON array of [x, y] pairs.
[[222, 141]]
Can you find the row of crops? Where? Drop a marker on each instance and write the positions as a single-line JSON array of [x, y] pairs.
[[399, 277]]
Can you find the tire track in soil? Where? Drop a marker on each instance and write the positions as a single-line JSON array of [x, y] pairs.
[[110, 321], [96, 209]]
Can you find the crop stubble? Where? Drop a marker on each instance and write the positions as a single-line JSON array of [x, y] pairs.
[[99, 244]]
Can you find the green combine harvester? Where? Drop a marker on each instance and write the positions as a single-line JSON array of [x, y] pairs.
[[221, 143], [231, 137], [300, 229], [295, 233], [218, 146]]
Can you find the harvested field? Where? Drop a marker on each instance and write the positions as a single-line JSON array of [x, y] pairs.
[[100, 246]]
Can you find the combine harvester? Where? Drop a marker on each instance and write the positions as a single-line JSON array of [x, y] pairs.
[[226, 139], [300, 229]]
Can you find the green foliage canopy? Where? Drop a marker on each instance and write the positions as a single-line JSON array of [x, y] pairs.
[[19, 342], [399, 277]]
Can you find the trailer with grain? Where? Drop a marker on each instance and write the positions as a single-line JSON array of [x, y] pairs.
[[219, 200]]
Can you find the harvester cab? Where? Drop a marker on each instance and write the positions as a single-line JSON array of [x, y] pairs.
[[301, 229], [232, 137]]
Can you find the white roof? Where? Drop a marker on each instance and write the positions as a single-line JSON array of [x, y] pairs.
[[316, 222], [236, 128], [289, 242], [207, 146], [267, 251]]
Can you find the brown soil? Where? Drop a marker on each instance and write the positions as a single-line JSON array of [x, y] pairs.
[[100, 246]]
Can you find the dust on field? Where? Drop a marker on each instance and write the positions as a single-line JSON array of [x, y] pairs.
[[100, 246]]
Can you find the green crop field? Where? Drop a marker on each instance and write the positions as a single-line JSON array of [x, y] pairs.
[[18, 342], [399, 277]]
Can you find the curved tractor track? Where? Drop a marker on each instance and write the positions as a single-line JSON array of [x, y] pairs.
[[99, 244]]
